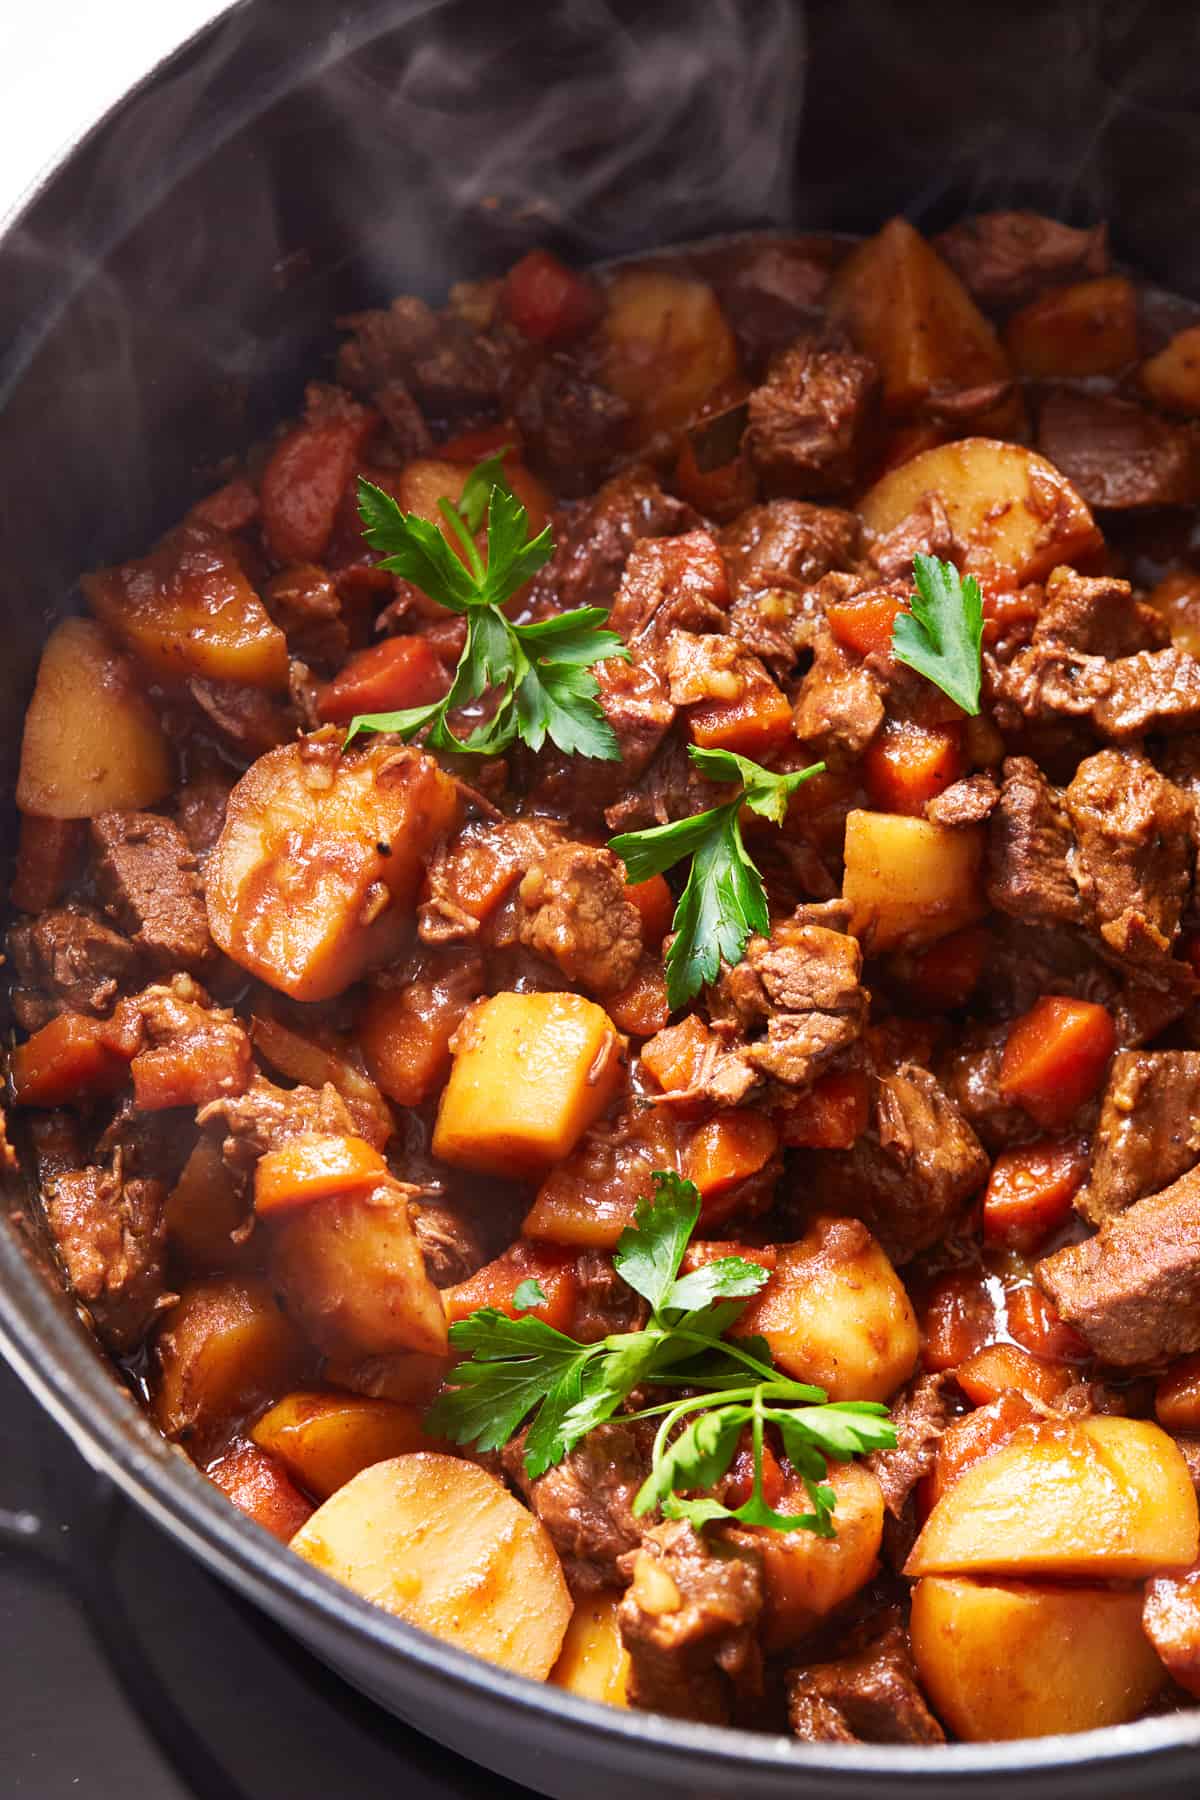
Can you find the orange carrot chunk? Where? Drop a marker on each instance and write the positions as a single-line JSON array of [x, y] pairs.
[[1055, 1057], [314, 1167], [1029, 1192], [398, 673], [907, 765], [831, 1116], [864, 623], [70, 1059], [497, 1282]]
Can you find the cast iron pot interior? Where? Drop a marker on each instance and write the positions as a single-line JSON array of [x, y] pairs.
[[176, 278]]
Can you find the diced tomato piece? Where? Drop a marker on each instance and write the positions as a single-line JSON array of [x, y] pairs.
[[304, 480], [1055, 1058], [315, 1168], [71, 1059], [1008, 1368], [656, 903], [1034, 1322], [719, 493], [755, 723], [1177, 1396], [641, 1008], [947, 973], [725, 1151], [676, 1055], [549, 303], [741, 1475], [864, 623], [496, 1284], [260, 1487], [398, 673], [906, 765], [1030, 1190], [831, 1116], [979, 1435], [960, 1318]]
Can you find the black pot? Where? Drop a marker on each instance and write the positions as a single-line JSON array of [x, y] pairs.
[[176, 277]]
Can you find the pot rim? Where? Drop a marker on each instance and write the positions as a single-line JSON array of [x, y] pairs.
[[53, 1357]]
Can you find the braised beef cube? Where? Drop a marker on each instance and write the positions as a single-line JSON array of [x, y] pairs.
[[200, 807], [771, 292], [1008, 258], [1116, 453], [811, 419], [1098, 616], [1030, 849], [840, 704], [449, 1243], [574, 911], [586, 1501], [573, 429], [592, 550], [1149, 1130], [305, 604], [670, 584], [68, 961], [688, 1621], [788, 544], [147, 876], [970, 1074], [920, 1414], [1133, 858], [971, 801], [112, 1240], [266, 1117], [926, 531], [797, 995], [870, 1698]]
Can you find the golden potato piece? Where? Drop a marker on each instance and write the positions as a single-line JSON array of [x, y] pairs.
[[668, 346], [204, 1209], [92, 740], [909, 881], [1106, 1499], [835, 1312], [319, 860], [325, 1440], [223, 1349], [1088, 328], [593, 1661], [1172, 378], [805, 1577], [531, 1073], [1010, 509], [1017, 1660], [444, 1545], [1177, 598]]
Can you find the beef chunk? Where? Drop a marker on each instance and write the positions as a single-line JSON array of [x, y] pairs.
[[688, 1621], [1008, 258], [810, 419], [870, 1698], [1132, 863], [1133, 1290], [200, 807], [970, 801], [1149, 1129], [633, 698], [111, 1237], [920, 1414], [770, 291], [910, 1173], [247, 720], [840, 702], [266, 1117], [67, 961], [1155, 690], [183, 1047], [471, 874], [970, 1074], [671, 788], [797, 996], [605, 1305], [1115, 452], [594, 546], [449, 1243], [926, 530], [1099, 617], [670, 584], [147, 876], [787, 544], [453, 371], [409, 434], [573, 429], [305, 604], [1171, 1621], [575, 912], [586, 1501]]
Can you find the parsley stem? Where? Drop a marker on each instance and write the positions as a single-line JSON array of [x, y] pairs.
[[455, 521], [764, 1373]]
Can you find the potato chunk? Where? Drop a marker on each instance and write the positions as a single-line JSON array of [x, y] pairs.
[[834, 1311], [1106, 1498], [668, 346], [594, 1662], [805, 1577], [92, 740], [1017, 1660], [1089, 328], [444, 1545], [352, 1271], [1010, 509], [531, 1073], [908, 309], [1172, 378], [909, 881], [324, 1440], [320, 858], [223, 1348], [187, 610]]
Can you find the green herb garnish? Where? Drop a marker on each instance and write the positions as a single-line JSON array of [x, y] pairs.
[[542, 671], [942, 635], [522, 1368], [724, 900]]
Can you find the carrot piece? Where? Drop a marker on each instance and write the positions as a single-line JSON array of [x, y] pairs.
[[404, 1032], [702, 1251], [758, 721], [980, 1434], [70, 1059], [48, 853], [947, 973], [656, 904], [741, 1476], [960, 1318], [398, 673], [1177, 1396], [314, 1167], [676, 1055], [1030, 1190], [864, 623], [831, 1116], [725, 1151], [641, 1008], [261, 1488], [192, 1071], [549, 303], [1055, 1057], [907, 765], [304, 480], [719, 493], [496, 1284], [1035, 1323], [471, 447], [1009, 1368]]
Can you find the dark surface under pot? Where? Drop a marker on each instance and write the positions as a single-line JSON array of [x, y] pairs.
[[158, 303]]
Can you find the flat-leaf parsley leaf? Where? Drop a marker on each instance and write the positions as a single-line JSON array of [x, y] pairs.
[[941, 637]]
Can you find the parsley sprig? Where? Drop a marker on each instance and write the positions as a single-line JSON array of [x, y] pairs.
[[724, 900], [542, 671], [941, 637], [522, 1368]]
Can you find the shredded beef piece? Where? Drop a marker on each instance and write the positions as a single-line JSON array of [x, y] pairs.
[[970, 801], [810, 419], [155, 1145], [1132, 863], [670, 584], [449, 1243], [926, 530], [870, 1698], [305, 604], [1029, 847], [593, 545], [183, 1045], [111, 1237], [1149, 1131], [911, 1172], [200, 807], [688, 1622], [67, 961], [574, 910], [840, 702], [573, 429], [452, 370], [1133, 1290], [1099, 617], [1007, 258], [586, 1501], [605, 1305], [800, 991], [1115, 452], [266, 1117], [672, 787], [920, 1414], [147, 876]]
